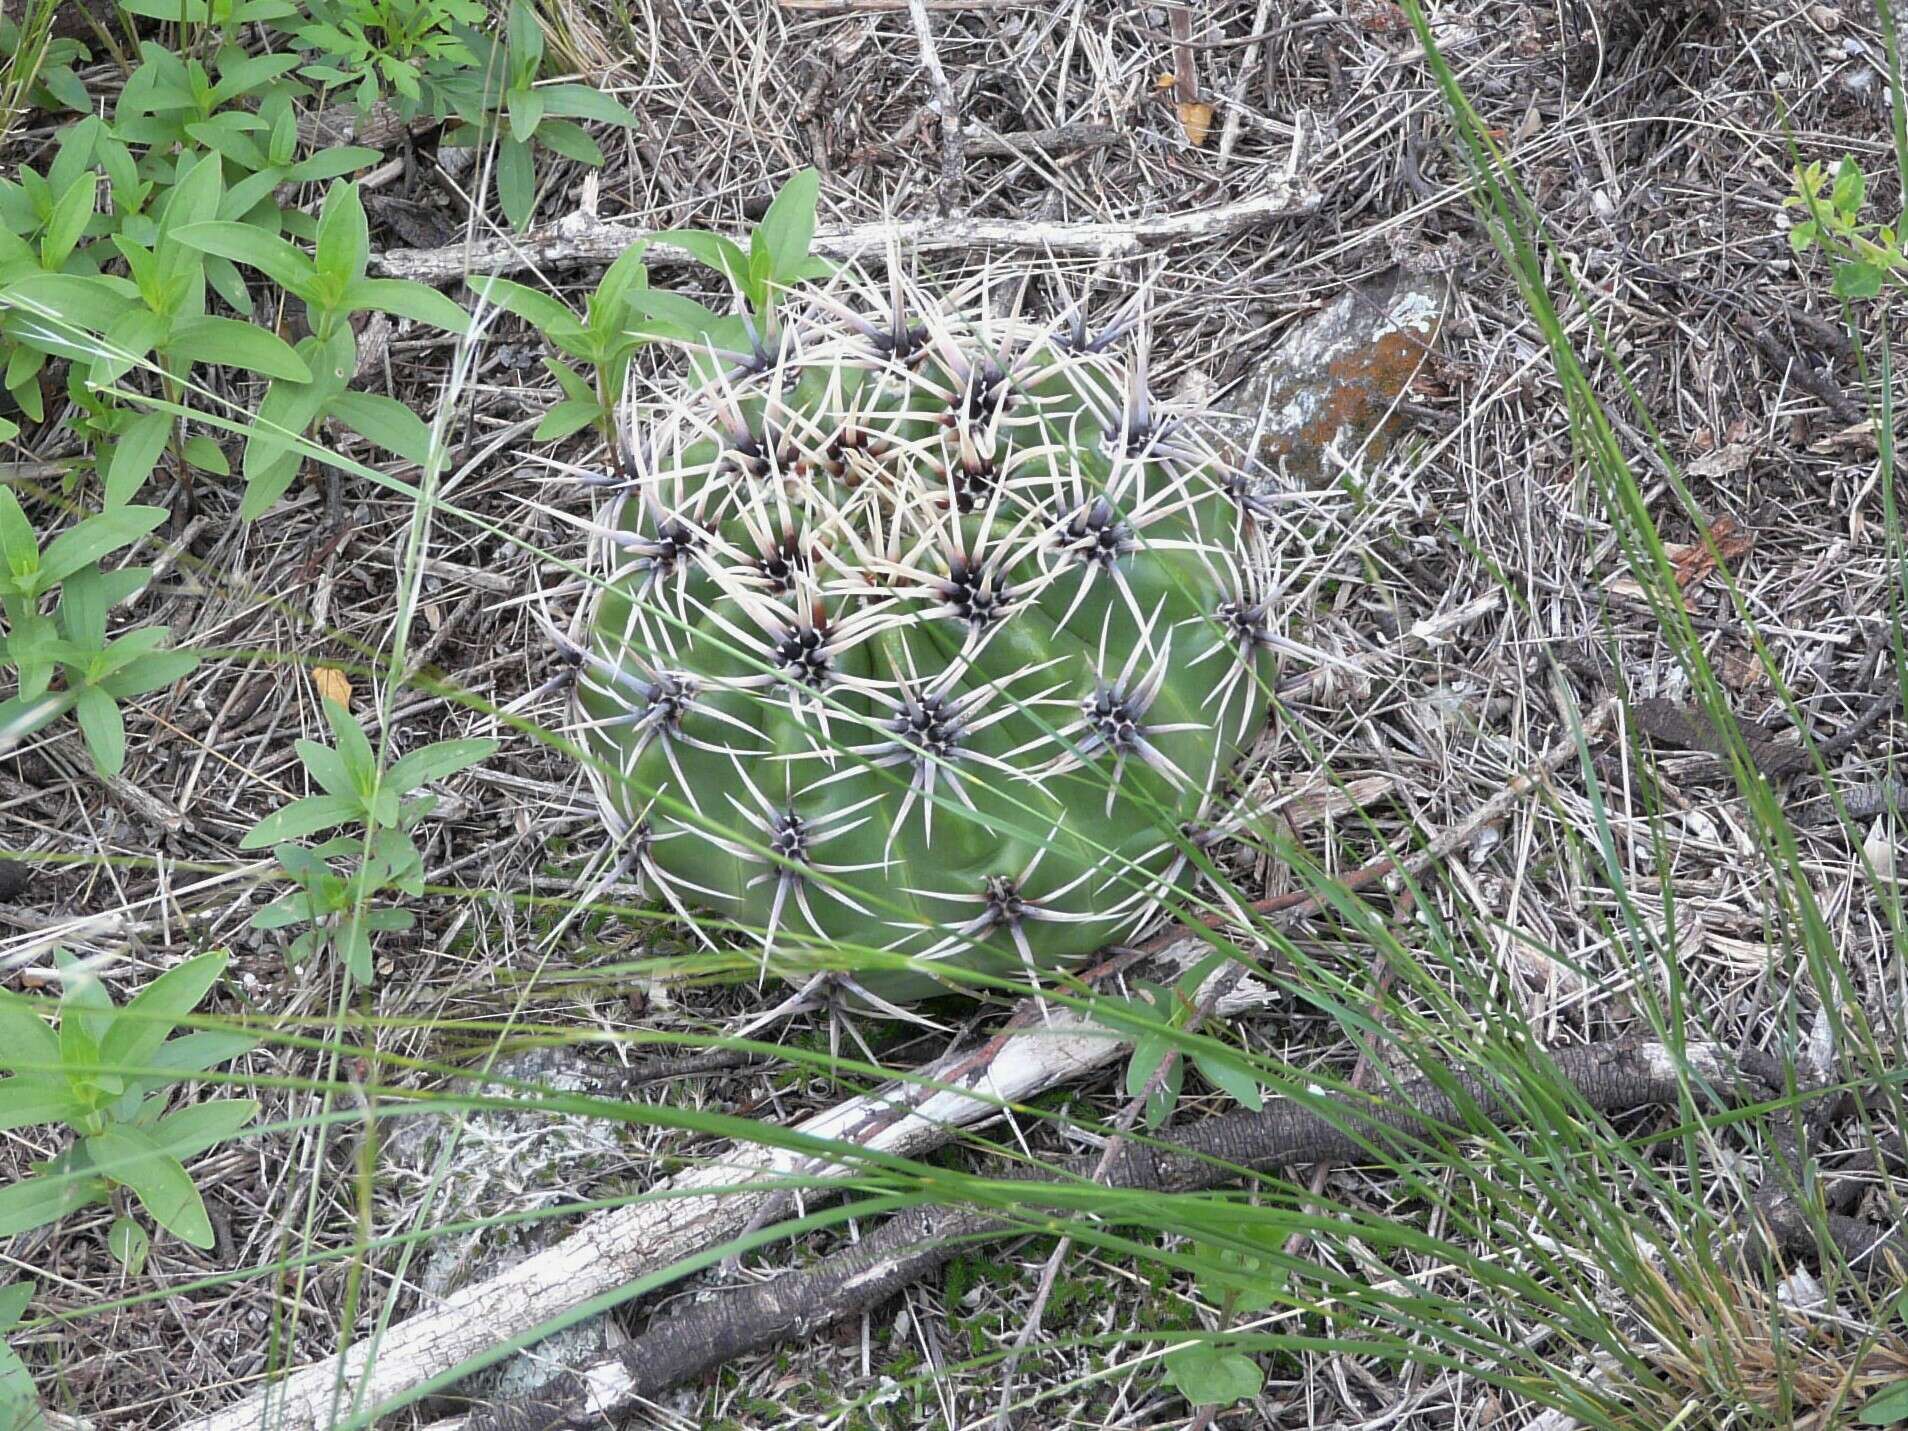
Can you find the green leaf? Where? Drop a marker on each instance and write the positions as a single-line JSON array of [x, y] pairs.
[[569, 416], [524, 108], [575, 101], [19, 543], [344, 238], [560, 136], [164, 1189], [206, 455], [331, 164], [301, 818], [143, 1024], [34, 1202], [327, 767], [516, 182], [352, 745], [713, 250], [129, 1244], [243, 243], [135, 333], [1148, 1051], [539, 309], [387, 422], [1887, 1406], [405, 299], [789, 225], [435, 762], [234, 344], [13, 1304], [23, 715], [25, 1101], [68, 223], [1232, 1076], [135, 453], [195, 1052], [1846, 197], [27, 1041], [1211, 1376], [96, 537], [148, 673], [104, 729], [1858, 280], [190, 1131], [89, 303]]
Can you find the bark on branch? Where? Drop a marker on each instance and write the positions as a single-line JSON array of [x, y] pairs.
[[1609, 1077], [695, 1210], [581, 238]]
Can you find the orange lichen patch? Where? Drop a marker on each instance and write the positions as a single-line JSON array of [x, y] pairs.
[[1347, 404]]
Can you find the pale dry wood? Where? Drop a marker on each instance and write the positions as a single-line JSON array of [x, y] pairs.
[[581, 238], [691, 1212]]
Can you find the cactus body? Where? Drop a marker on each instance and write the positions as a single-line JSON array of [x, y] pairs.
[[922, 633]]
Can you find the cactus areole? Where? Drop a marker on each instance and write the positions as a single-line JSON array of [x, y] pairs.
[[920, 631]]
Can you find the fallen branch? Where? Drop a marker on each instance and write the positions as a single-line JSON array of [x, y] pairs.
[[1610, 1078], [692, 1211], [582, 238]]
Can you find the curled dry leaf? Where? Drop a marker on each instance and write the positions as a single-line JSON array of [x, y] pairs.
[[331, 685], [1195, 117]]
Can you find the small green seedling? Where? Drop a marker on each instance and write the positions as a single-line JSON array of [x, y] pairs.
[[533, 113], [333, 287], [99, 673], [1866, 257], [382, 807], [407, 49], [622, 315], [1156, 1022], [1211, 1373], [107, 1073], [778, 256]]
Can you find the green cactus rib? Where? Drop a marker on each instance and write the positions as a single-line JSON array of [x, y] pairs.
[[928, 637]]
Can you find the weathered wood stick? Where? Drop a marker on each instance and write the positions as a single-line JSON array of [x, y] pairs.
[[1610, 1077], [581, 238]]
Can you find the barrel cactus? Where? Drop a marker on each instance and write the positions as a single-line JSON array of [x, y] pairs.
[[921, 629]]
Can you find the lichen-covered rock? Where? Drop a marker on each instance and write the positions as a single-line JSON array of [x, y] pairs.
[[921, 627], [1332, 385]]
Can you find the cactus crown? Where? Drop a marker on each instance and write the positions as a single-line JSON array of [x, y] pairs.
[[920, 628]]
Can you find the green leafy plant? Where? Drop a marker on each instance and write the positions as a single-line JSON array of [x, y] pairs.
[[381, 804], [155, 318], [1157, 1019], [1866, 256], [778, 256], [506, 101], [167, 95], [407, 50], [622, 315], [107, 1073], [333, 286], [1241, 1281], [98, 672]]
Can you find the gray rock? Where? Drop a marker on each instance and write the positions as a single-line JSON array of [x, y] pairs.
[[1331, 382]]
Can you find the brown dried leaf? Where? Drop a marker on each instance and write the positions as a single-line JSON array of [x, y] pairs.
[[1724, 461], [1693, 562], [331, 685], [1196, 119]]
